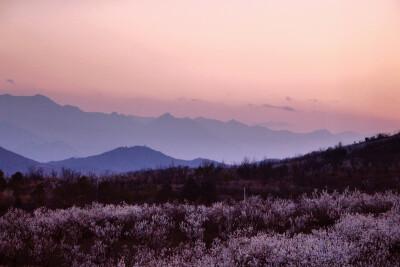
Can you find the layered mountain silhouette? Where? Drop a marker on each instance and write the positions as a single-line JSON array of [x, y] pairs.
[[119, 160], [125, 159], [38, 128]]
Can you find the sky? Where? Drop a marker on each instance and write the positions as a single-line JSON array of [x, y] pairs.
[[299, 65]]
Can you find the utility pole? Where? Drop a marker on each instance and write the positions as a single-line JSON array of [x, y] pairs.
[[244, 194]]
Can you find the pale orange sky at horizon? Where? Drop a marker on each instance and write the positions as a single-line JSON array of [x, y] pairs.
[[298, 65]]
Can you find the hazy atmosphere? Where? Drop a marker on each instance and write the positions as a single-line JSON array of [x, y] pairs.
[[200, 133], [296, 65]]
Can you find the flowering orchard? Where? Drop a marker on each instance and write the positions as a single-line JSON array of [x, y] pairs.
[[323, 229]]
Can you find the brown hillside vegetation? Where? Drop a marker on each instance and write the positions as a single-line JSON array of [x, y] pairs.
[[370, 166]]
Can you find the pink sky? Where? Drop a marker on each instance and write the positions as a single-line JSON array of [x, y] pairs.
[[299, 65]]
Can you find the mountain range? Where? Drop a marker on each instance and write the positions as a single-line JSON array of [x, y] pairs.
[[38, 128], [119, 160]]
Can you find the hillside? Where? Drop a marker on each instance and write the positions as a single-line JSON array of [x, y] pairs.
[[372, 165], [11, 162], [380, 150]]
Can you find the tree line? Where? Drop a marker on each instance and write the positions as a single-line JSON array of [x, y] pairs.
[[369, 166]]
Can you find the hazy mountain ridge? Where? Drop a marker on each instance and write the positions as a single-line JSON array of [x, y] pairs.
[[125, 159], [56, 132], [119, 160]]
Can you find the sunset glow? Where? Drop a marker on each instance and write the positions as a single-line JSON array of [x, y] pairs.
[[298, 65]]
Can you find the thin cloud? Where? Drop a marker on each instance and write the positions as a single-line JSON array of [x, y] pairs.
[[287, 108], [288, 98], [10, 81], [313, 100]]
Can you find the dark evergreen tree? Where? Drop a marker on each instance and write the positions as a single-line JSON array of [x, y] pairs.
[[165, 194], [191, 191], [3, 182]]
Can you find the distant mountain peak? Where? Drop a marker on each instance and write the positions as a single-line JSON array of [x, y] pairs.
[[41, 96], [124, 159], [322, 131], [132, 148], [38, 98], [166, 116]]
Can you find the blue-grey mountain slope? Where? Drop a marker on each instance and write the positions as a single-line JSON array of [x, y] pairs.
[[11, 162], [125, 159], [84, 133], [38, 128]]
